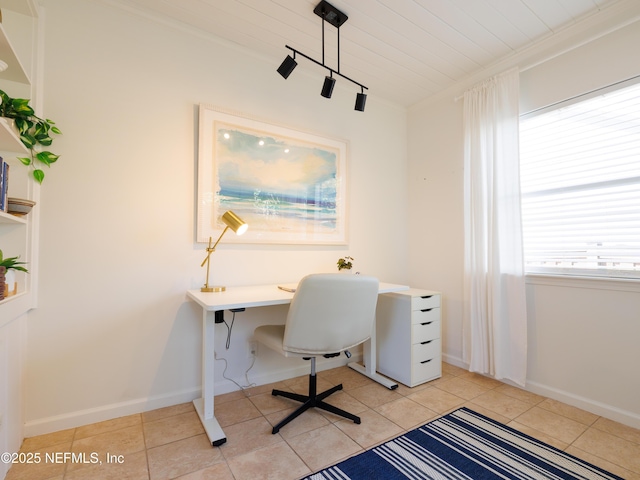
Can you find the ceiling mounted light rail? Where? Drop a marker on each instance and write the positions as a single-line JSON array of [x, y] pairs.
[[335, 17]]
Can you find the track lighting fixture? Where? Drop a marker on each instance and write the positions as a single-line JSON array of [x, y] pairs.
[[335, 17]]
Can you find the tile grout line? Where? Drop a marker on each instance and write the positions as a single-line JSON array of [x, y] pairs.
[[146, 450]]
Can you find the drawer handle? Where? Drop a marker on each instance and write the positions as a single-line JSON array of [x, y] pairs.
[[426, 310], [424, 343], [426, 323], [427, 296], [426, 361]]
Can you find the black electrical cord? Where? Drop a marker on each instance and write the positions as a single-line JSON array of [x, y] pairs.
[[227, 344]]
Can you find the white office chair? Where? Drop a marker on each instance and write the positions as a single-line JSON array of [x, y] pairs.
[[329, 314]]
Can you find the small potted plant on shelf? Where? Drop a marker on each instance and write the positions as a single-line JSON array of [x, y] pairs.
[[345, 263], [33, 131], [7, 264]]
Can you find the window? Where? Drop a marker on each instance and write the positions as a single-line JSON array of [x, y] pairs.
[[580, 180]]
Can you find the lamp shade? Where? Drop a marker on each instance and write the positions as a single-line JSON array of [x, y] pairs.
[[287, 66], [327, 87], [234, 222], [361, 99]]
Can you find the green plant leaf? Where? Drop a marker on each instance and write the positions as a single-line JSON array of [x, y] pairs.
[[38, 175], [25, 160], [12, 262], [47, 157], [23, 124], [21, 106], [40, 129], [28, 140], [55, 129], [44, 139]]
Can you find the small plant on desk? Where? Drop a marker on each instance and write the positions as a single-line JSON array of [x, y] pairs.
[[345, 263]]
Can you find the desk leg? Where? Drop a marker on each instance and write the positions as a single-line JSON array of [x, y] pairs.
[[369, 358], [204, 405]]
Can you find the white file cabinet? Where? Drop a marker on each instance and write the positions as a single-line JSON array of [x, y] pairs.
[[408, 335]]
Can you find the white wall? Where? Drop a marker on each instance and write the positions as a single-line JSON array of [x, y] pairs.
[[436, 234], [582, 334], [113, 332]]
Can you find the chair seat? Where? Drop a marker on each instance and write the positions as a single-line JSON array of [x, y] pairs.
[[272, 336]]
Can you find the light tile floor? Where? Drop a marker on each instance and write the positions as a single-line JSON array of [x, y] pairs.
[[170, 442]]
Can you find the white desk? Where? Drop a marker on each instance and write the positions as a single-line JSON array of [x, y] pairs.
[[247, 297]]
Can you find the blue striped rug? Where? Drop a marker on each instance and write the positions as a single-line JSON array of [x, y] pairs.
[[463, 445]]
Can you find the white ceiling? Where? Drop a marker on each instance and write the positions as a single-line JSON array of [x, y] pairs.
[[403, 50]]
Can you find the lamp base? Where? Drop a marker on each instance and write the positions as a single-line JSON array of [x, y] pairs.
[[218, 288]]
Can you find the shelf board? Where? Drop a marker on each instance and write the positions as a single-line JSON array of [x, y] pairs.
[[15, 71], [14, 306], [7, 218]]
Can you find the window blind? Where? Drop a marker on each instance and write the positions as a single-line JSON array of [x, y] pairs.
[[580, 182]]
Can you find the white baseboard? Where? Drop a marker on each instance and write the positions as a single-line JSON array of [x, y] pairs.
[[108, 412], [607, 411], [455, 361]]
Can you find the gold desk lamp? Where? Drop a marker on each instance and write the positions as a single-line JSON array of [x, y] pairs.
[[233, 222]]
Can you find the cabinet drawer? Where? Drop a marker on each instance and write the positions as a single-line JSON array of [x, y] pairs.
[[426, 370], [422, 332], [425, 351], [425, 316], [424, 302]]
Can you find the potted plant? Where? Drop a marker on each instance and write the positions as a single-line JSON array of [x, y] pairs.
[[33, 131], [345, 263], [7, 264]]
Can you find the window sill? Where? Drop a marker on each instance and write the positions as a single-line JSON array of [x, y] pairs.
[[594, 283]]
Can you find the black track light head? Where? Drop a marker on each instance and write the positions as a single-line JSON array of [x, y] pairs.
[[361, 99], [287, 66], [327, 87]]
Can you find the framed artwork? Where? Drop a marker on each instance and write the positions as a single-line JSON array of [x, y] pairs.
[[288, 185]]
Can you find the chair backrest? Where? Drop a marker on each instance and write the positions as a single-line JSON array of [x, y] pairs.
[[331, 312]]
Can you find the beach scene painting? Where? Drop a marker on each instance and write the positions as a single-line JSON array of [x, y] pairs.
[[289, 186]]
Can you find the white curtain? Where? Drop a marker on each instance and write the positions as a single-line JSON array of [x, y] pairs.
[[495, 322]]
